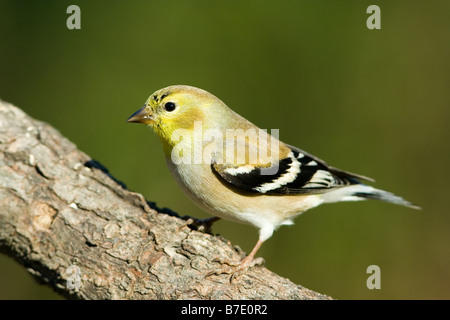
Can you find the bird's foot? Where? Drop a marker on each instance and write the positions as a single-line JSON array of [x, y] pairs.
[[202, 225], [236, 269]]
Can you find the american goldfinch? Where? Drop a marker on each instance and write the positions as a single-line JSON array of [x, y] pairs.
[[236, 171]]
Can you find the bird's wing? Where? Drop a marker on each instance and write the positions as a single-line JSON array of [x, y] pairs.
[[297, 173]]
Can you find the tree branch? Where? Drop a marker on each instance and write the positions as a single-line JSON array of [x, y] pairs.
[[80, 231]]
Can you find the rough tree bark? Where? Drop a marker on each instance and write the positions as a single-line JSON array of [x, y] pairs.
[[80, 231]]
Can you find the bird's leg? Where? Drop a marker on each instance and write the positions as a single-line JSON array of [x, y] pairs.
[[248, 262], [237, 269], [202, 225]]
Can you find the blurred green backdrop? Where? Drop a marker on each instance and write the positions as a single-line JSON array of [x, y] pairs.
[[375, 102]]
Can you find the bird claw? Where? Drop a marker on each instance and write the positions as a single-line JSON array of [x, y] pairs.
[[202, 225], [236, 269]]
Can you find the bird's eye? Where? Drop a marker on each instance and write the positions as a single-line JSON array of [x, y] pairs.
[[169, 106]]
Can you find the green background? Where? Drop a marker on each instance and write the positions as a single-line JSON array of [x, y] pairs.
[[374, 102]]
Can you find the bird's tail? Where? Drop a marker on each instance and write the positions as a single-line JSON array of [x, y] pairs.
[[359, 192]]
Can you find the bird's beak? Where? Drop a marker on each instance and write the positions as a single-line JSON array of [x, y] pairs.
[[143, 115]]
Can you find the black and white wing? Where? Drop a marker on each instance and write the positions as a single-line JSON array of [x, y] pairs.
[[298, 173]]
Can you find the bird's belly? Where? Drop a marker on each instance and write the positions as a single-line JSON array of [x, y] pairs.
[[203, 191]]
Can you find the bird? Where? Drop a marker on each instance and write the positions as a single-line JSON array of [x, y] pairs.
[[237, 171]]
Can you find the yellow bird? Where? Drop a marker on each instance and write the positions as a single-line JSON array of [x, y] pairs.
[[234, 170]]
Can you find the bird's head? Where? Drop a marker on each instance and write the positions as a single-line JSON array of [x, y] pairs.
[[177, 107]]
